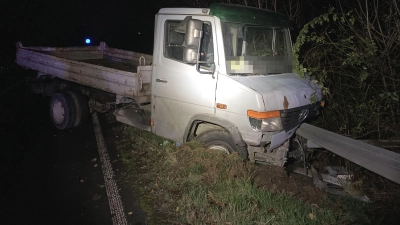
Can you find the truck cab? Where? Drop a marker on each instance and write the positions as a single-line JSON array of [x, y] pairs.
[[224, 76]]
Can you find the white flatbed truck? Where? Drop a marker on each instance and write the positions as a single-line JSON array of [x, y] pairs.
[[221, 75]]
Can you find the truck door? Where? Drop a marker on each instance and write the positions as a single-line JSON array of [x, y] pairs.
[[181, 92]]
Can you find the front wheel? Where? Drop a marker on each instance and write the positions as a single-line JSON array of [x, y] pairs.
[[220, 140]]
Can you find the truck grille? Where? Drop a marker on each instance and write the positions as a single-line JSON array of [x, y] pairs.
[[293, 117]]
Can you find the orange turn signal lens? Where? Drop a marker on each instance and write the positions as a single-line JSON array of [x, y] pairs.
[[263, 115], [221, 106]]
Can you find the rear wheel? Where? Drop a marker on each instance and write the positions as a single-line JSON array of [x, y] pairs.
[[220, 140], [62, 111], [82, 107]]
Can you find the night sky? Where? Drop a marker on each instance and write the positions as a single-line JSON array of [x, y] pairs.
[[69, 22]]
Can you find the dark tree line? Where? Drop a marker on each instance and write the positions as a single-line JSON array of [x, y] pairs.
[[353, 52]]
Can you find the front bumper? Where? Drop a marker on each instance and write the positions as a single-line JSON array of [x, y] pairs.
[[291, 120]]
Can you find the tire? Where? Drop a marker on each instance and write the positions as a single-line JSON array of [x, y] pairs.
[[62, 111], [81, 105], [220, 140]]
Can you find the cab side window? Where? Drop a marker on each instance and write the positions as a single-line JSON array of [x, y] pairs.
[[207, 45], [174, 42]]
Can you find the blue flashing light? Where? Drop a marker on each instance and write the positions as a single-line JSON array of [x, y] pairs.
[[87, 41]]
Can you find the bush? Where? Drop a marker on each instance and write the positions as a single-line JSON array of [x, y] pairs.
[[352, 56]]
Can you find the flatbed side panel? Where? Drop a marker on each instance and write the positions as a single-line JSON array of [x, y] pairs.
[[112, 87], [23, 52], [99, 67], [107, 79], [86, 69]]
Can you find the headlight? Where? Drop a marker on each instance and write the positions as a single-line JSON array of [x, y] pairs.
[[264, 125], [265, 121]]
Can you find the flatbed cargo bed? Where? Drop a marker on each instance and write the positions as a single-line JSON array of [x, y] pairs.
[[117, 71], [105, 62]]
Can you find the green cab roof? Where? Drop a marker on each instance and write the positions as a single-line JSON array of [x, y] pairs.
[[249, 15]]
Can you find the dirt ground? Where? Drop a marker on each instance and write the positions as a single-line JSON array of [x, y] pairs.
[[279, 180]]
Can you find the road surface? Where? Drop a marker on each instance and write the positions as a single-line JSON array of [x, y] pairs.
[[50, 176]]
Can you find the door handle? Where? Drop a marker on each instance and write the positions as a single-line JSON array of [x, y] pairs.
[[161, 80]]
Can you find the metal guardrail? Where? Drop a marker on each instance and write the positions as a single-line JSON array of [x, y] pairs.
[[378, 160]]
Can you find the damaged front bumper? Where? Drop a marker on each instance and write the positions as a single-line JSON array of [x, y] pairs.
[[291, 120]]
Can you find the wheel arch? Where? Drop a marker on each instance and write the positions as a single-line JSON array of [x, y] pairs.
[[216, 122]]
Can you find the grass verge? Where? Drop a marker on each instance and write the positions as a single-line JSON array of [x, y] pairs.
[[190, 184]]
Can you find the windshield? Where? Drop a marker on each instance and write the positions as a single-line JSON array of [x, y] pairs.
[[256, 50]]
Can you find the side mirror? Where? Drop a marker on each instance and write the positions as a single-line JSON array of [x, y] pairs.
[[190, 55], [194, 32]]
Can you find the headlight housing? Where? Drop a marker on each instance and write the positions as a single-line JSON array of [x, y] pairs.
[[260, 122], [264, 125]]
